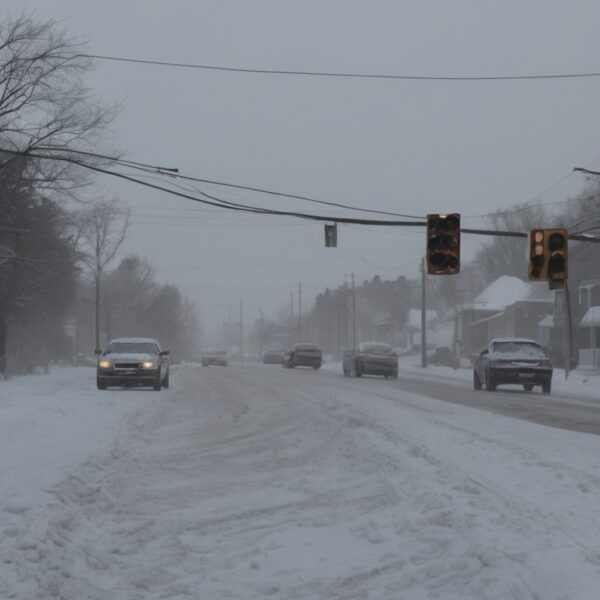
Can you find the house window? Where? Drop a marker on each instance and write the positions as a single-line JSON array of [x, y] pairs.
[[594, 296]]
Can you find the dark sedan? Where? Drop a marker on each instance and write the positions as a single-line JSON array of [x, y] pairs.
[[371, 358], [518, 361], [303, 355], [214, 357]]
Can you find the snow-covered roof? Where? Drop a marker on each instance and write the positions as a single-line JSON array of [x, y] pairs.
[[547, 321], [507, 290], [591, 317]]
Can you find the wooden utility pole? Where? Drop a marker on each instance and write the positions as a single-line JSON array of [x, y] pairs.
[[242, 327], [568, 329], [260, 339], [299, 312], [423, 318], [353, 313]]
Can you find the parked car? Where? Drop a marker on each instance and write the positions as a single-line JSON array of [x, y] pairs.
[[370, 358], [133, 362], [273, 356], [513, 360], [303, 355], [214, 357]]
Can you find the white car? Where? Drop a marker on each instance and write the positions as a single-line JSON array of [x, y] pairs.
[[133, 362], [513, 360]]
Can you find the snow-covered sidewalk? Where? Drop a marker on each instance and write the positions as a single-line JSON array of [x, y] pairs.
[[49, 426]]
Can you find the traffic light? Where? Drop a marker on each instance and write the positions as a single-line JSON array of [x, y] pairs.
[[331, 236], [443, 244], [548, 253]]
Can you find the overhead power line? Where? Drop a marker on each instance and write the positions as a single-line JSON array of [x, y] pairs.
[[215, 201], [175, 174], [338, 74]]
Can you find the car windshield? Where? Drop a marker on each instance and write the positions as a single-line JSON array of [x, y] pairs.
[[375, 348], [522, 348], [132, 348]]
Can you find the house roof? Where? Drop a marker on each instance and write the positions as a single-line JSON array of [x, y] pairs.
[[591, 317], [507, 290]]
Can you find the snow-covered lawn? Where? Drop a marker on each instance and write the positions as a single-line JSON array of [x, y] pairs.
[[254, 481]]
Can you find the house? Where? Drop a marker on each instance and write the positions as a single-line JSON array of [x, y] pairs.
[[507, 307], [585, 322]]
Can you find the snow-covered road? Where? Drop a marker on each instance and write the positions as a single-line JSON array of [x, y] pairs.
[[254, 481]]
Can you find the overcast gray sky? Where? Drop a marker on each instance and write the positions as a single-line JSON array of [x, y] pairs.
[[404, 146]]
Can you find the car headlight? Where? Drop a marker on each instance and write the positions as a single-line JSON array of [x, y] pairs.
[[105, 363], [149, 364]]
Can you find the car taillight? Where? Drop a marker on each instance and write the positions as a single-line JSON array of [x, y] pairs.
[[546, 363], [502, 361]]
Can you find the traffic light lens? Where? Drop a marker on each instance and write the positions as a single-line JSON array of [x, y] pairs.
[[556, 242], [556, 264], [452, 262], [437, 259]]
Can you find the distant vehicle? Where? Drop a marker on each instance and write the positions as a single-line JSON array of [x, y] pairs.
[[273, 356], [513, 360], [303, 355], [370, 358], [214, 357], [133, 362]]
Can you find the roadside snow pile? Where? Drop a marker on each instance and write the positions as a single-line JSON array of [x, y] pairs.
[[49, 424]]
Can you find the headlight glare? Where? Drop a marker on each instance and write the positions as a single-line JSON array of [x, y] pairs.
[[149, 364], [105, 363]]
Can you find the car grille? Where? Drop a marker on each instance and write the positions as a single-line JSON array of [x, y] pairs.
[[126, 365]]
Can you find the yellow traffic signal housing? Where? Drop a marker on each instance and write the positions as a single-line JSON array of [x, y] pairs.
[[443, 244], [548, 255]]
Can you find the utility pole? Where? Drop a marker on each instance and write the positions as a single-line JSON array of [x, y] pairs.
[[107, 319], [299, 312], [423, 318], [568, 329], [260, 340], [242, 327], [353, 313], [97, 308], [291, 327]]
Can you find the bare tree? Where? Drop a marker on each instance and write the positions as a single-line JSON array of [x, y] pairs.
[[45, 108], [506, 255], [103, 230], [44, 102]]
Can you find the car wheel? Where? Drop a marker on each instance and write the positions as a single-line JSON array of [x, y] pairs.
[[547, 387], [166, 381], [316, 367], [101, 386], [527, 387], [490, 384], [358, 372], [157, 384], [476, 381], [395, 375]]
